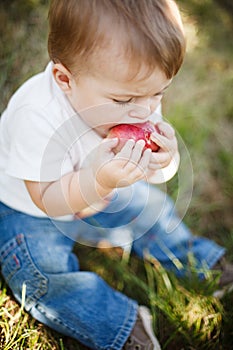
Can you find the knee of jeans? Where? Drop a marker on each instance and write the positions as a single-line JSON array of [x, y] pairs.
[[73, 263], [59, 262], [52, 254]]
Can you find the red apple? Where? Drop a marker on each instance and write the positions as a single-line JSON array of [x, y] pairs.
[[138, 131]]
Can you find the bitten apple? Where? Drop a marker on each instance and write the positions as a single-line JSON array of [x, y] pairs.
[[136, 132]]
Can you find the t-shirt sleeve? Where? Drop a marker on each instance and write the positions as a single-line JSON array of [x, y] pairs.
[[37, 150]]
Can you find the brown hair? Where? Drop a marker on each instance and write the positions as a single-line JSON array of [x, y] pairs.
[[151, 32]]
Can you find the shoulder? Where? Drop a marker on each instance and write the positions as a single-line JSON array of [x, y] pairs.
[[39, 91], [38, 99]]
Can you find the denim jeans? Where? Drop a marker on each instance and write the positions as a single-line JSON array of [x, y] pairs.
[[37, 253]]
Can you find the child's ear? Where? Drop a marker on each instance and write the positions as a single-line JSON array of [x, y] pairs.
[[63, 77]]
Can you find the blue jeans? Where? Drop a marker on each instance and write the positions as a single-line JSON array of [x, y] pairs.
[[37, 252]]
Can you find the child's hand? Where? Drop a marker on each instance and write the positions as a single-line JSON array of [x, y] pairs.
[[167, 141], [124, 168]]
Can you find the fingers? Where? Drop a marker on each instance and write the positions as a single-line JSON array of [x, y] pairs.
[[132, 155], [167, 141], [160, 160], [166, 130], [137, 151], [132, 151], [108, 144], [126, 150], [135, 159], [145, 160], [124, 168], [165, 137], [132, 162]]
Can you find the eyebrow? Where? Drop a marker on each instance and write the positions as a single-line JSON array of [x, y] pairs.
[[121, 94]]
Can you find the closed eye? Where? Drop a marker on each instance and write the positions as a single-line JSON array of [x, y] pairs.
[[126, 102], [123, 103], [159, 94]]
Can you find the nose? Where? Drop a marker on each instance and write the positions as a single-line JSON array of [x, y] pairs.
[[143, 107]]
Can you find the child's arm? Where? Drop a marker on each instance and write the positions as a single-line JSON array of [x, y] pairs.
[[78, 190]]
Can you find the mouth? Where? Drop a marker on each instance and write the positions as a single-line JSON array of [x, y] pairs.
[[104, 129]]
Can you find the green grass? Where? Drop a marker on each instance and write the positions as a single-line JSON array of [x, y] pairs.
[[184, 307], [19, 331], [199, 104]]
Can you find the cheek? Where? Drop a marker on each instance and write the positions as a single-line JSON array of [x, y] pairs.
[[81, 102], [102, 114], [110, 114], [82, 98]]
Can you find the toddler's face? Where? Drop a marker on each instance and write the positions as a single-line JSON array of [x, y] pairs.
[[107, 97]]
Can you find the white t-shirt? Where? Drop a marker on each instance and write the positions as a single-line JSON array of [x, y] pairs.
[[42, 138]]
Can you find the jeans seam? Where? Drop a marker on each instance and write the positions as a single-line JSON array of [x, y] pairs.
[[41, 288], [119, 336], [5, 252], [59, 321]]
